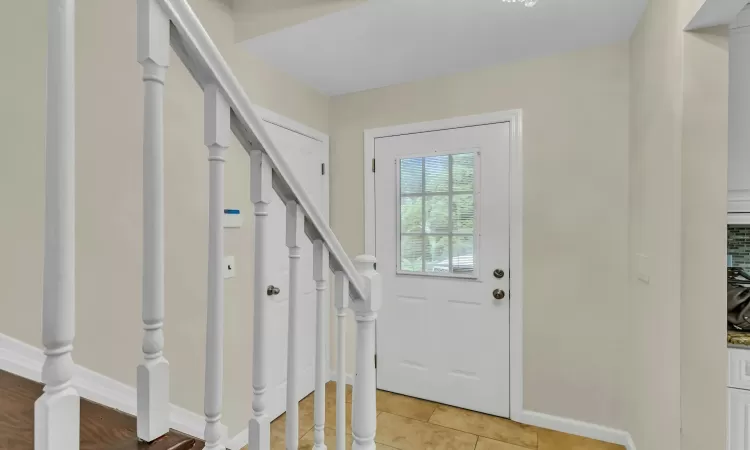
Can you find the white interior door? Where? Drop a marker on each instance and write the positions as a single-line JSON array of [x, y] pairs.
[[442, 230], [305, 155]]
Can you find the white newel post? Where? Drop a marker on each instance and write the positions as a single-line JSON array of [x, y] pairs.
[[216, 138], [57, 411], [363, 399], [320, 274], [341, 287], [259, 430], [153, 372], [295, 223]]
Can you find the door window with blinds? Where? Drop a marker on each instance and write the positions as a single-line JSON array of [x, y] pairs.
[[437, 217]]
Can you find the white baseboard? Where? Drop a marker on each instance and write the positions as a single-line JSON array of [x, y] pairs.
[[239, 440], [26, 361], [577, 427]]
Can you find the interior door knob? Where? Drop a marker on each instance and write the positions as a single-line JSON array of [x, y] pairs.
[[499, 294], [272, 290]]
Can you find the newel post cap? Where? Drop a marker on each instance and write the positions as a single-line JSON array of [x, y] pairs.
[[365, 265]]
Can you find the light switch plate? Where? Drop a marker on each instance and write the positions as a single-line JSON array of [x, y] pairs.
[[229, 268]]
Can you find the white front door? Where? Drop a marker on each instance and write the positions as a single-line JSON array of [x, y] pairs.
[[442, 243], [305, 155]]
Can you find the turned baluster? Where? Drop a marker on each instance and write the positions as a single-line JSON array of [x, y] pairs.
[[320, 274], [364, 411], [217, 138], [295, 223], [153, 373], [56, 412], [341, 283], [259, 431]]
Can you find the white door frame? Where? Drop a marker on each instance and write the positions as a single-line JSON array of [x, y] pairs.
[[513, 117], [292, 125]]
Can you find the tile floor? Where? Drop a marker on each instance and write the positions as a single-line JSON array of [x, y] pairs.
[[406, 423]]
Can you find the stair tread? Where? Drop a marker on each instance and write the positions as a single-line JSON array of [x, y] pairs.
[[101, 427]]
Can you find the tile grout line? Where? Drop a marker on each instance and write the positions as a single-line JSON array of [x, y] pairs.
[[486, 437]]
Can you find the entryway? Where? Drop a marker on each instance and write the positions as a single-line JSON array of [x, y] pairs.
[[306, 152], [442, 211]]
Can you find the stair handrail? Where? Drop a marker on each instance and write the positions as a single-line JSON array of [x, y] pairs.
[[204, 61]]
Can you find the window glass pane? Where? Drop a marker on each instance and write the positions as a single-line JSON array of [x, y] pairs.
[[411, 253], [411, 214], [436, 173], [463, 213], [463, 254], [436, 214], [436, 254], [411, 176], [463, 172]]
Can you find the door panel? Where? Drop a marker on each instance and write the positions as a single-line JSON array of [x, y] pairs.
[[305, 156], [442, 228]]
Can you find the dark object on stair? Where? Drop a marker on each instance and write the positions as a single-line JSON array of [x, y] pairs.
[[102, 428]]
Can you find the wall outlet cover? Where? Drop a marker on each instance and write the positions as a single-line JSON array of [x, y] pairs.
[[229, 269], [643, 268]]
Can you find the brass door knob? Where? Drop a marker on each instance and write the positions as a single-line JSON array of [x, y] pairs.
[[272, 290], [499, 294]]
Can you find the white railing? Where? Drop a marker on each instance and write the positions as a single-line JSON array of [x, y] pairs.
[[226, 109]]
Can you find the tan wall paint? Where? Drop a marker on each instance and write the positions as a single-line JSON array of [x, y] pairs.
[[575, 207], [677, 368], [653, 374], [109, 216], [704, 239]]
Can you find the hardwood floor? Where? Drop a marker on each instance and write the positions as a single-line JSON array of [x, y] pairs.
[[102, 428]]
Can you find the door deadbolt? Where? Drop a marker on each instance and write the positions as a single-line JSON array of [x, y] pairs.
[[498, 273], [499, 294], [272, 290]]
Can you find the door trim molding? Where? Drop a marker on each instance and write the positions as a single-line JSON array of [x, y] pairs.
[[514, 118], [284, 122]]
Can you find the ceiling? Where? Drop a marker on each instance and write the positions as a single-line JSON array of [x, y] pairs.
[[383, 42]]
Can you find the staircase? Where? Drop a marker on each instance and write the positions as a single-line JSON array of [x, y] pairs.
[[227, 109]]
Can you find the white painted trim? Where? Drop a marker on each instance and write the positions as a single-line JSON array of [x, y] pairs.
[[715, 12], [238, 441], [514, 117], [738, 218], [629, 444], [577, 427], [285, 122], [292, 125], [26, 361]]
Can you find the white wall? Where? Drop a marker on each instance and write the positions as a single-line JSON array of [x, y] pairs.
[[575, 112], [109, 218]]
